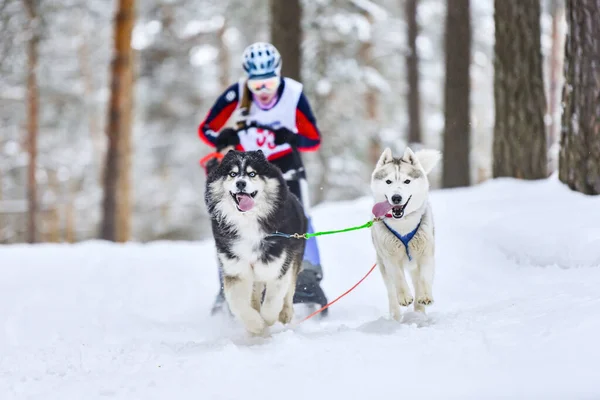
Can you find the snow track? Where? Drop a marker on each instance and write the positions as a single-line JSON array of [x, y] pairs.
[[516, 313]]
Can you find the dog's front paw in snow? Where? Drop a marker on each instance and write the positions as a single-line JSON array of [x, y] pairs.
[[422, 301], [269, 319], [424, 297], [425, 300], [286, 314], [271, 311], [255, 324], [404, 299]]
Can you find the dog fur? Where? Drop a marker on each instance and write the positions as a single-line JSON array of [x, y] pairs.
[[405, 176], [251, 261]]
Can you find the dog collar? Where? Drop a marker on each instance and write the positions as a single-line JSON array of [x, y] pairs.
[[405, 239]]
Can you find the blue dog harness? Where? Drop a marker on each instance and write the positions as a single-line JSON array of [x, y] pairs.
[[404, 239]]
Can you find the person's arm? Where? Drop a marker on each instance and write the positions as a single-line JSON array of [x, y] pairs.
[[218, 115], [309, 137]]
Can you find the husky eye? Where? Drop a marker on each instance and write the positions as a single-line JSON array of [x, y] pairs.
[[252, 174], [233, 174], [388, 182], [407, 181]]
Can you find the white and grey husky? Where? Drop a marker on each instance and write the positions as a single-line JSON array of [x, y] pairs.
[[404, 239]]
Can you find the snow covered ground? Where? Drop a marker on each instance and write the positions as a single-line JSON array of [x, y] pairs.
[[517, 314]]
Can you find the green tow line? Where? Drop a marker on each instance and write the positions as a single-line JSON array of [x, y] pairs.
[[309, 235]]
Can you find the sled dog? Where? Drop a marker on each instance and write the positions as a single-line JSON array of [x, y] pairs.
[[404, 238], [247, 199]]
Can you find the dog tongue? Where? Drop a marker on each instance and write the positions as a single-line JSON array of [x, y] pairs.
[[245, 202], [381, 208]]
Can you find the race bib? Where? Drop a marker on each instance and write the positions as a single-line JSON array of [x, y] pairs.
[[259, 138]]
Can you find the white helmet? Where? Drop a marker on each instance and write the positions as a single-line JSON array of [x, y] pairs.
[[261, 60]]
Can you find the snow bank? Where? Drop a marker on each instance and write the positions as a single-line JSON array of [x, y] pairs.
[[516, 313]]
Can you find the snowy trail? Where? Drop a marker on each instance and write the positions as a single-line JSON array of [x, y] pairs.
[[517, 313]]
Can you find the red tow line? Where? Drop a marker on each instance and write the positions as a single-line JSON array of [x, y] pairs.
[[340, 296]]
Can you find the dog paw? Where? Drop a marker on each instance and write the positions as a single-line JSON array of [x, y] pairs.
[[256, 325], [286, 314], [270, 315], [269, 321], [425, 300], [405, 300]]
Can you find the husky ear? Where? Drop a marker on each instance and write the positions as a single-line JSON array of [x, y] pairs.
[[428, 158], [229, 154], [409, 156], [386, 157]]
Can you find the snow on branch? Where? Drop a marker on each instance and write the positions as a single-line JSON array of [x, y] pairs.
[[323, 87], [195, 28], [352, 24], [144, 33], [377, 12], [375, 80], [203, 55], [363, 28]]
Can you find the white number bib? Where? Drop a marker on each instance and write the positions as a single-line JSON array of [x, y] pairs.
[[263, 139]]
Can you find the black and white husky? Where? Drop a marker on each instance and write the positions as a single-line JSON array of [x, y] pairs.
[[248, 199]]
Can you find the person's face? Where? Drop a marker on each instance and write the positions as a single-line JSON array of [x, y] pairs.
[[264, 89]]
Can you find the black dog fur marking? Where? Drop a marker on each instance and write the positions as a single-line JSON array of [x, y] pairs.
[[286, 213]]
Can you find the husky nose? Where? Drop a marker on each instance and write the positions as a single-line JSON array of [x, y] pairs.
[[396, 199], [241, 185]]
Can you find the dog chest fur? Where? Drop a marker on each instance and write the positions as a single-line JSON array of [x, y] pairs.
[[249, 250], [386, 243]]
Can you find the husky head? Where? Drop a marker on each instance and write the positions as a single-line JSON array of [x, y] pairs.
[[401, 184], [244, 182]]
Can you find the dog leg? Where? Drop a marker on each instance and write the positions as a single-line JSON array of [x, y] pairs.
[[287, 312], [238, 293], [274, 298], [403, 290], [257, 292], [426, 272], [391, 291], [415, 275]]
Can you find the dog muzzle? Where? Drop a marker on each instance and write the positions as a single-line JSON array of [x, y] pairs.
[[385, 209]]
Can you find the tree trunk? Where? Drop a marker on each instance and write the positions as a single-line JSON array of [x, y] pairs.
[[412, 72], [579, 162], [124, 185], [3, 223], [117, 118], [365, 55], [224, 57], [286, 35], [52, 215], [321, 100], [32, 118], [519, 146], [83, 57], [456, 165], [557, 12], [70, 213]]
